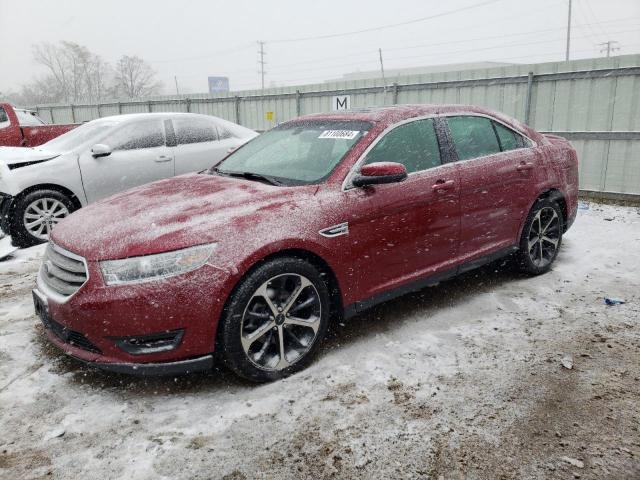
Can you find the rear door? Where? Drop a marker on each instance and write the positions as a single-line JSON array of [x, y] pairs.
[[139, 155], [198, 143], [410, 229], [496, 172]]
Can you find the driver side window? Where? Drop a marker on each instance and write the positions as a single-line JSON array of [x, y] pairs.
[[414, 145]]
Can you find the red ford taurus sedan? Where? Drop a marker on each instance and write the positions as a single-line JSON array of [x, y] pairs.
[[317, 219]]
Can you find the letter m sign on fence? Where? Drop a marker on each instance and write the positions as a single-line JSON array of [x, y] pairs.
[[341, 102]]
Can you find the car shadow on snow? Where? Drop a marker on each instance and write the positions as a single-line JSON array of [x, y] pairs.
[[377, 320]]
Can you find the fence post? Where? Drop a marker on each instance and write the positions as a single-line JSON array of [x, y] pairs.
[[188, 102], [149, 106], [395, 93], [73, 114], [237, 108], [99, 114], [119, 108], [298, 103], [53, 120], [527, 101]]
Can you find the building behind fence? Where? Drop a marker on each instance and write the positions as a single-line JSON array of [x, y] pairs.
[[595, 103]]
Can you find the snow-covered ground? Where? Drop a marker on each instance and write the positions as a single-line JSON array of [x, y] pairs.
[[462, 380]]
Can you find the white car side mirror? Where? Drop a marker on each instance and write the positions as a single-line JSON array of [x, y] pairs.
[[100, 150]]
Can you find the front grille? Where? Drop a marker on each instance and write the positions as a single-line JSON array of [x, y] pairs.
[[71, 337], [62, 272]]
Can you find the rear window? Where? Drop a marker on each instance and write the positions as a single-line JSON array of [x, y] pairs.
[[28, 119]]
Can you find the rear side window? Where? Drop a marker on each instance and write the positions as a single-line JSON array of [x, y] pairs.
[[473, 137], [194, 130], [145, 134], [414, 145]]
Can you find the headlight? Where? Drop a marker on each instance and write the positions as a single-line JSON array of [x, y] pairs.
[[155, 267]]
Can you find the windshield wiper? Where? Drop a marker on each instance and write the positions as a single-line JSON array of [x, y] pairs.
[[249, 176]]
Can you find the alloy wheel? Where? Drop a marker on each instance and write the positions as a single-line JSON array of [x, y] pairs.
[[544, 237], [281, 321], [42, 214]]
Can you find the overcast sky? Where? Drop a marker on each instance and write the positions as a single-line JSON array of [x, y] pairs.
[[196, 38]]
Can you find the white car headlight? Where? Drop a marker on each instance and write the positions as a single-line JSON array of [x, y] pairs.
[[155, 267]]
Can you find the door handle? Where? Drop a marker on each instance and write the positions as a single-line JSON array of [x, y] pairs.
[[524, 166], [163, 158], [442, 185]]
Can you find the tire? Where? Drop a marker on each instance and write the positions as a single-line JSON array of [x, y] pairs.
[[539, 246], [255, 326], [54, 207]]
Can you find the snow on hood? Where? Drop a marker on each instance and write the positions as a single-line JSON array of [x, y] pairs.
[[13, 155], [170, 214]]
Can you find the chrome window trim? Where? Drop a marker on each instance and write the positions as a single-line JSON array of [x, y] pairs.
[[497, 120], [346, 183], [44, 288]]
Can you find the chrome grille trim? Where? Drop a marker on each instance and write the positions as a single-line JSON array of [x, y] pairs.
[[61, 274]]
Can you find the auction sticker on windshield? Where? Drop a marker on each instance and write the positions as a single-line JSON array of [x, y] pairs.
[[343, 134]]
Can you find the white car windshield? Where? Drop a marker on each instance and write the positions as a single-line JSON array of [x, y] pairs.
[[81, 135]]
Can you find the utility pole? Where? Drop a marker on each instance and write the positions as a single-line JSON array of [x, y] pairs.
[[261, 62], [568, 32], [609, 47], [384, 81], [175, 78]]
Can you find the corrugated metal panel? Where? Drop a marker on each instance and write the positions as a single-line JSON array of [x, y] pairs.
[[605, 103]]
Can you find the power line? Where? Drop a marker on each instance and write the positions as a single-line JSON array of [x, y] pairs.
[[383, 27], [439, 53], [437, 44]]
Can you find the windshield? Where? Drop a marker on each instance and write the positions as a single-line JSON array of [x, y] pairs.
[[80, 135], [28, 119], [296, 153]]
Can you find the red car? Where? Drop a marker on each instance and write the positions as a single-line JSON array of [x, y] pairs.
[[23, 128], [315, 220]]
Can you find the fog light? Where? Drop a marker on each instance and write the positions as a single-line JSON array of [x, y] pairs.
[[153, 343]]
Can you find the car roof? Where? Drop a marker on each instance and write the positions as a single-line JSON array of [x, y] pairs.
[[388, 115], [139, 116]]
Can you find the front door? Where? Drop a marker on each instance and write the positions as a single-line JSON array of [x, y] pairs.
[[407, 230], [139, 155]]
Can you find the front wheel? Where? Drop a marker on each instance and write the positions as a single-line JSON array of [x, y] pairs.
[[35, 214], [541, 237], [275, 321]]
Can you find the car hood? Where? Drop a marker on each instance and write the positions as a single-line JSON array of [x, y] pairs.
[[17, 155], [175, 213]]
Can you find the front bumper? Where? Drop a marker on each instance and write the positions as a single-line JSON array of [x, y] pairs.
[[92, 324]]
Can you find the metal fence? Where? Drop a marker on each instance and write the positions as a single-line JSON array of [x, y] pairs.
[[594, 102]]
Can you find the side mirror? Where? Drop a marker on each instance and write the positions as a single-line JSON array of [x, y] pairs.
[[380, 172], [100, 150]]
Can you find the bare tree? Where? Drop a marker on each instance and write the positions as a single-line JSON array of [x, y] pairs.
[[74, 73], [135, 78]]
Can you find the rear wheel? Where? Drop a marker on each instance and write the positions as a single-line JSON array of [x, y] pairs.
[[541, 237], [275, 321], [35, 214]]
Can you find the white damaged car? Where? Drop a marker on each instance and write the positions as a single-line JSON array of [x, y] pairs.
[[42, 185]]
